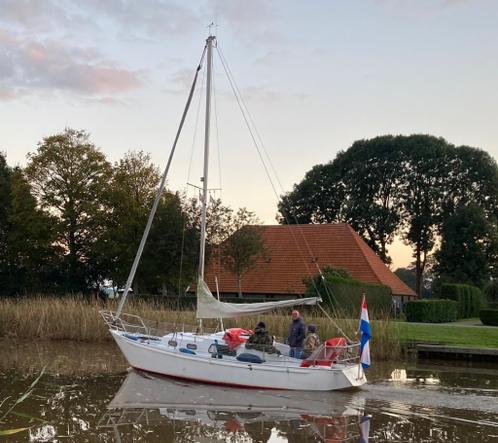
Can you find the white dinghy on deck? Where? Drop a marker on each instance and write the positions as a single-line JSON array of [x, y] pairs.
[[208, 357]]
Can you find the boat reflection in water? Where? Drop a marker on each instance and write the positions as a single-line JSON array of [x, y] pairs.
[[148, 408]]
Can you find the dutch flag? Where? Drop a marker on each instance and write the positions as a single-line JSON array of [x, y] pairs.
[[365, 335], [364, 429]]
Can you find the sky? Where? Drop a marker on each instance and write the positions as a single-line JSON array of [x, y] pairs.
[[315, 76]]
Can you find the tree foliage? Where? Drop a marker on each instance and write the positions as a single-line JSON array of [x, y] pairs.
[[469, 247], [28, 261], [130, 194], [5, 202], [171, 256]]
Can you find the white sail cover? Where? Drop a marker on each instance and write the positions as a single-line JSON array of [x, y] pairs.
[[209, 307]]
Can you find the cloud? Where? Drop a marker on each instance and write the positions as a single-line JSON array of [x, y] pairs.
[[32, 14], [140, 20], [148, 17], [37, 66]]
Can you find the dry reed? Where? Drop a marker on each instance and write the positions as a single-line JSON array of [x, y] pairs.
[[77, 319]]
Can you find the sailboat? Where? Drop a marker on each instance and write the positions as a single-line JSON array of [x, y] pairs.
[[215, 357]]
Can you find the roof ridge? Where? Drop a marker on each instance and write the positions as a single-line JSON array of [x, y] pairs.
[[360, 242], [368, 250]]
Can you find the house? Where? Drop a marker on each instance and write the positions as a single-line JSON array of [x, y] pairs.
[[296, 251]]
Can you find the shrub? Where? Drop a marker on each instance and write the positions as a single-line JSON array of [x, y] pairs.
[[469, 298], [491, 292], [489, 317], [431, 311], [342, 292]]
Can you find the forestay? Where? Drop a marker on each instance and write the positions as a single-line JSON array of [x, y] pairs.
[[209, 307]]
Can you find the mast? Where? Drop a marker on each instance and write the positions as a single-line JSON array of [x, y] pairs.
[[202, 254]]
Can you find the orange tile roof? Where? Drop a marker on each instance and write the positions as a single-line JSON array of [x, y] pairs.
[[296, 251]]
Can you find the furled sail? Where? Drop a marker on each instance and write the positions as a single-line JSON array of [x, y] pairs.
[[209, 307]]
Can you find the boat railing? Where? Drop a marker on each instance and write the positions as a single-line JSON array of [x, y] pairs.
[[135, 324], [327, 355]]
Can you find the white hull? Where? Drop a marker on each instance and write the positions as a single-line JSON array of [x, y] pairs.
[[275, 373]]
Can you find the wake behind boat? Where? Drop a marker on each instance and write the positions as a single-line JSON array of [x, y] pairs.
[[192, 353]]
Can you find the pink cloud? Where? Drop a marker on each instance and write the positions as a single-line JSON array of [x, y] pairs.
[[50, 66]]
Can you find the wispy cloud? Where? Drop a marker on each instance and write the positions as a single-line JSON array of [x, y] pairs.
[[32, 65]]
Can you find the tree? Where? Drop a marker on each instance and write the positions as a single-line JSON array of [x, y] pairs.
[[241, 249], [28, 254], [32, 250], [317, 199], [219, 224], [5, 203], [131, 191], [69, 176], [171, 255], [473, 179], [469, 247], [423, 193], [372, 179]]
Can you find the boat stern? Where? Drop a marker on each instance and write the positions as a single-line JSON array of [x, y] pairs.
[[355, 376]]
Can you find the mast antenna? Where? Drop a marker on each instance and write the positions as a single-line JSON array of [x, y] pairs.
[[210, 27]]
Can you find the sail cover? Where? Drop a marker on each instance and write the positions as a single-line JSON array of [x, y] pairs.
[[209, 307]]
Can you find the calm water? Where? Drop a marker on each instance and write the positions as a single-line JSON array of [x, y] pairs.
[[87, 395]]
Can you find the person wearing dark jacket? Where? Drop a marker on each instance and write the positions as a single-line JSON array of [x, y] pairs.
[[261, 340], [297, 332]]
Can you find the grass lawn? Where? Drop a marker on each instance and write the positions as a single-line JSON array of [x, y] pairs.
[[472, 337]]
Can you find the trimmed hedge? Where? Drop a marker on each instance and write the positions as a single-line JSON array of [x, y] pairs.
[[431, 311], [346, 293], [489, 317], [470, 298]]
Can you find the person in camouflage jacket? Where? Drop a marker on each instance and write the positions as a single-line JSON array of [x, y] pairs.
[[261, 340]]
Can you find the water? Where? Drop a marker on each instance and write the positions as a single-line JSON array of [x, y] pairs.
[[87, 395]]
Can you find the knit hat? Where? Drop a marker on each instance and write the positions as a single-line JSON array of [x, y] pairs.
[[261, 325], [312, 328]]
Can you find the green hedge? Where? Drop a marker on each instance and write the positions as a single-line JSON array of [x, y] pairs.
[[489, 317], [431, 311], [345, 293], [469, 298]]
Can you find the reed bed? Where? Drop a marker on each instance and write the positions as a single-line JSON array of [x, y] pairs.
[[78, 319]]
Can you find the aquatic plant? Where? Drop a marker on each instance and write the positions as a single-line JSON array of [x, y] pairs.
[[10, 410]]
